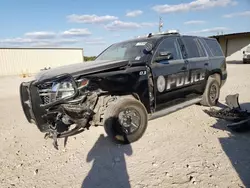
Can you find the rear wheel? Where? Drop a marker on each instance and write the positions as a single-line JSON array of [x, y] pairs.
[[212, 92], [125, 121]]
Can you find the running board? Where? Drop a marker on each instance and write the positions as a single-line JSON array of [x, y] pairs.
[[174, 108]]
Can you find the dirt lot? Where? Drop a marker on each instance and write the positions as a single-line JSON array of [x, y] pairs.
[[184, 149]]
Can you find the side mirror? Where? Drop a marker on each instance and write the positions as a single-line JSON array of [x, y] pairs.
[[148, 48], [164, 56]]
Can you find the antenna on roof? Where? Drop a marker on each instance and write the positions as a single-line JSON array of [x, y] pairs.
[[160, 24]]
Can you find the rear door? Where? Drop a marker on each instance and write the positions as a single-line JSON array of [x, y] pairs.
[[198, 64], [169, 75]]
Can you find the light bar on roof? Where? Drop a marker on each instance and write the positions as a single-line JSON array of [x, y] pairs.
[[172, 31]]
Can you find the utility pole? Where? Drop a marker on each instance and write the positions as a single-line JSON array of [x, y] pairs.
[[160, 24]]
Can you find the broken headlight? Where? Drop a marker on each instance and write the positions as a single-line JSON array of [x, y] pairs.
[[62, 90], [57, 89]]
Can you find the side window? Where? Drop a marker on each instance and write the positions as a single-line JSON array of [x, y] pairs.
[[200, 48], [214, 47], [203, 42], [192, 47], [170, 45]]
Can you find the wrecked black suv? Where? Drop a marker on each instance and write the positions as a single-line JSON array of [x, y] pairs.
[[128, 84]]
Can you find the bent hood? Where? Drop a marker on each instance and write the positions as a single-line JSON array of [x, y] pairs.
[[80, 68]]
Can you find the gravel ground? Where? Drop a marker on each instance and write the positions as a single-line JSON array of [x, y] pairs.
[[184, 149]]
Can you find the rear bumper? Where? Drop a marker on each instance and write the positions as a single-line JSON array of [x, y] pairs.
[[31, 104]]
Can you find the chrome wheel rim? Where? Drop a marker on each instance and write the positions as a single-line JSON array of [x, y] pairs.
[[213, 93], [130, 120]]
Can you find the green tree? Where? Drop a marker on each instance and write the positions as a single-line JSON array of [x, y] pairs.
[[89, 58]]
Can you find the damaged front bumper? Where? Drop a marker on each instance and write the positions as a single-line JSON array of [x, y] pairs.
[[31, 104], [36, 99], [46, 105]]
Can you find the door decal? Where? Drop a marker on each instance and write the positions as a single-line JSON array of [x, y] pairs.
[[179, 80], [161, 83]]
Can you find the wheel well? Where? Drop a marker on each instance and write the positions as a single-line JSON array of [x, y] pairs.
[[217, 76], [136, 96]]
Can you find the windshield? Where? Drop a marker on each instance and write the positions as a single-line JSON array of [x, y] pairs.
[[248, 49], [124, 51]]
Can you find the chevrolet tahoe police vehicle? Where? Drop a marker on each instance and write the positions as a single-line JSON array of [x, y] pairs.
[[128, 84]]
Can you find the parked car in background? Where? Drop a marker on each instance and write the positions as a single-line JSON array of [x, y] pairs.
[[246, 55]]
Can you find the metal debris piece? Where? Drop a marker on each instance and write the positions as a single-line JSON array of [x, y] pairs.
[[240, 119]]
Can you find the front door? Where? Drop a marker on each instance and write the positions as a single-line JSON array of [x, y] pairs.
[[170, 76]]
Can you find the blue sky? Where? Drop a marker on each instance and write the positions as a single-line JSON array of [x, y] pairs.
[[94, 25]]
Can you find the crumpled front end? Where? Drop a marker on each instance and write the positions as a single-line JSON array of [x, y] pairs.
[[56, 104], [66, 104]]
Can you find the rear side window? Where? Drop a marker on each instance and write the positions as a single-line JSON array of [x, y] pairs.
[[214, 47], [192, 47]]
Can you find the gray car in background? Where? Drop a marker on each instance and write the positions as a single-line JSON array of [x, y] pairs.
[[246, 55]]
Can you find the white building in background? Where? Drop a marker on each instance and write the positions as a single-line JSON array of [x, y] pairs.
[[16, 61], [233, 45]]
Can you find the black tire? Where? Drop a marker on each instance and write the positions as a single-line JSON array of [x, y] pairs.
[[113, 127], [209, 99]]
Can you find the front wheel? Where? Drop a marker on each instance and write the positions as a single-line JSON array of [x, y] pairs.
[[212, 92], [125, 121]]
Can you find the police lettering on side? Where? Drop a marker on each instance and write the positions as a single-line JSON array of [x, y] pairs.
[[178, 80]]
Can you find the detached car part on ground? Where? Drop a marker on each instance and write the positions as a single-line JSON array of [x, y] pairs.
[[240, 119], [156, 75], [246, 55]]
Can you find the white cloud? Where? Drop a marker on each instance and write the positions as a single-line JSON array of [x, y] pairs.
[[94, 39], [76, 33], [120, 25], [24, 42], [49, 39], [54, 43], [245, 13], [194, 5], [134, 13], [91, 18], [210, 30], [65, 41], [16, 41], [95, 42], [40, 35], [149, 24], [194, 22]]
